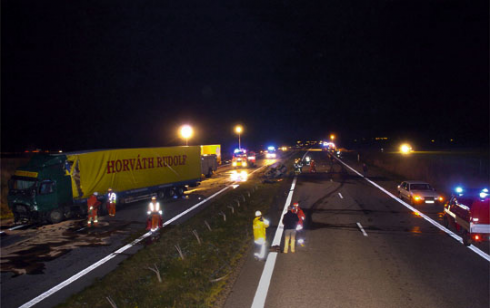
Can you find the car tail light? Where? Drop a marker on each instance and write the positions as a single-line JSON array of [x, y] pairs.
[[416, 198], [476, 237], [441, 198]]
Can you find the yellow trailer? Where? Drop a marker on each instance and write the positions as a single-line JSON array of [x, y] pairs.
[[214, 149]]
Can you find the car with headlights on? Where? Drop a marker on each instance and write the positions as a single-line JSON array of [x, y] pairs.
[[418, 192]]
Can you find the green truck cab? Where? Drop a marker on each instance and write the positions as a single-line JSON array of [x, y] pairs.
[[41, 190]]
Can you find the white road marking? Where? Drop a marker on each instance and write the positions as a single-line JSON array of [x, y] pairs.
[[265, 279], [360, 227], [17, 227], [1, 232], [82, 273], [427, 218], [340, 195]]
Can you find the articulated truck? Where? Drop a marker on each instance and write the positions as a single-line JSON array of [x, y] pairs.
[[54, 187]]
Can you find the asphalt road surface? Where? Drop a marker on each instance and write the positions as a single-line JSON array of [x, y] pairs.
[[36, 258], [364, 249]]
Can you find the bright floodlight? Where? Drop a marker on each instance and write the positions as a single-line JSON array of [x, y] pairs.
[[186, 132], [238, 129], [405, 148]]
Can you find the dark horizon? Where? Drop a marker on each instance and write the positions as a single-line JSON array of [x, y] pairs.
[[89, 75]]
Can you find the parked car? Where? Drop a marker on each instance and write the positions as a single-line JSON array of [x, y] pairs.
[[417, 192]]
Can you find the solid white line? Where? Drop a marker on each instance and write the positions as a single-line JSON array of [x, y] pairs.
[[360, 227], [427, 218], [265, 279], [341, 196], [82, 273]]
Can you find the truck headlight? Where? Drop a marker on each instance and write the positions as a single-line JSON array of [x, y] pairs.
[[233, 164]]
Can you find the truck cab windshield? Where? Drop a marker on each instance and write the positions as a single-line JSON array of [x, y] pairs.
[[21, 185]]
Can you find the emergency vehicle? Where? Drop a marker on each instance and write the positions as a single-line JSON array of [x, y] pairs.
[[468, 213], [251, 157], [271, 152], [240, 158]]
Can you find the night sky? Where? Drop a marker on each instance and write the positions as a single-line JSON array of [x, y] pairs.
[[116, 74]]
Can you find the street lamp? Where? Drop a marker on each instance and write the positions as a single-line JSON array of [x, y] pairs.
[[332, 137], [186, 132], [239, 129]]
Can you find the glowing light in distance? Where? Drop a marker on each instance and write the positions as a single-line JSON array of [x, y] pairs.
[[238, 129], [405, 148]]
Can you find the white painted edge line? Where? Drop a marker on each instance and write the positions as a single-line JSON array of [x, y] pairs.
[[362, 229], [82, 273], [340, 195], [265, 279], [427, 218]]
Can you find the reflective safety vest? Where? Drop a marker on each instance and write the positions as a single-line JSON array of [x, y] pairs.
[[154, 207], [259, 227], [301, 215], [112, 197]]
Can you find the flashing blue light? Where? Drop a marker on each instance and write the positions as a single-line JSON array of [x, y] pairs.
[[271, 148], [237, 150], [458, 190], [483, 195], [485, 190]]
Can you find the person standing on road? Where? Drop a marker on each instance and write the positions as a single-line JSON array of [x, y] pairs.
[[154, 215], [259, 226], [301, 216], [111, 202], [364, 169], [290, 221], [312, 166], [93, 208]]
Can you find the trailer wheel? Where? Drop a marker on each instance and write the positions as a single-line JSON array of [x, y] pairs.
[[55, 216], [180, 191], [466, 238], [161, 194], [171, 193]]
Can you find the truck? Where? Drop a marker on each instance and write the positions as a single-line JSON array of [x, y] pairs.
[[210, 159], [468, 212], [239, 158], [54, 187]]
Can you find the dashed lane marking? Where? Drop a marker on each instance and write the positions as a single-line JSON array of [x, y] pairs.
[[427, 218], [362, 229]]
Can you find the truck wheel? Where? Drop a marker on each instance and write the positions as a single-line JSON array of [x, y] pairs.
[[411, 201], [161, 194], [401, 197], [466, 238], [170, 193], [180, 191], [55, 216]]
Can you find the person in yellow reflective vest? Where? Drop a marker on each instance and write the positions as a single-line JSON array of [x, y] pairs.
[[111, 202], [259, 226]]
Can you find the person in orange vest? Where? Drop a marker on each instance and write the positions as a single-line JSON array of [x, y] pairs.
[[301, 216], [93, 208], [154, 215], [111, 202], [312, 166], [259, 226]]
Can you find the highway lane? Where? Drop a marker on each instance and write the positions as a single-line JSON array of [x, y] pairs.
[[36, 259], [402, 262]]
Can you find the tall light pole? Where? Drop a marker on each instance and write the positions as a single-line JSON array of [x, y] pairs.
[[239, 129], [186, 132]]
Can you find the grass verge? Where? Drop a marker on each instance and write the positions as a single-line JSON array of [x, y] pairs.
[[200, 277]]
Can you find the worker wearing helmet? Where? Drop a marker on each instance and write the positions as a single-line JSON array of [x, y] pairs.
[[259, 226], [92, 210], [301, 216], [111, 202], [154, 215]]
